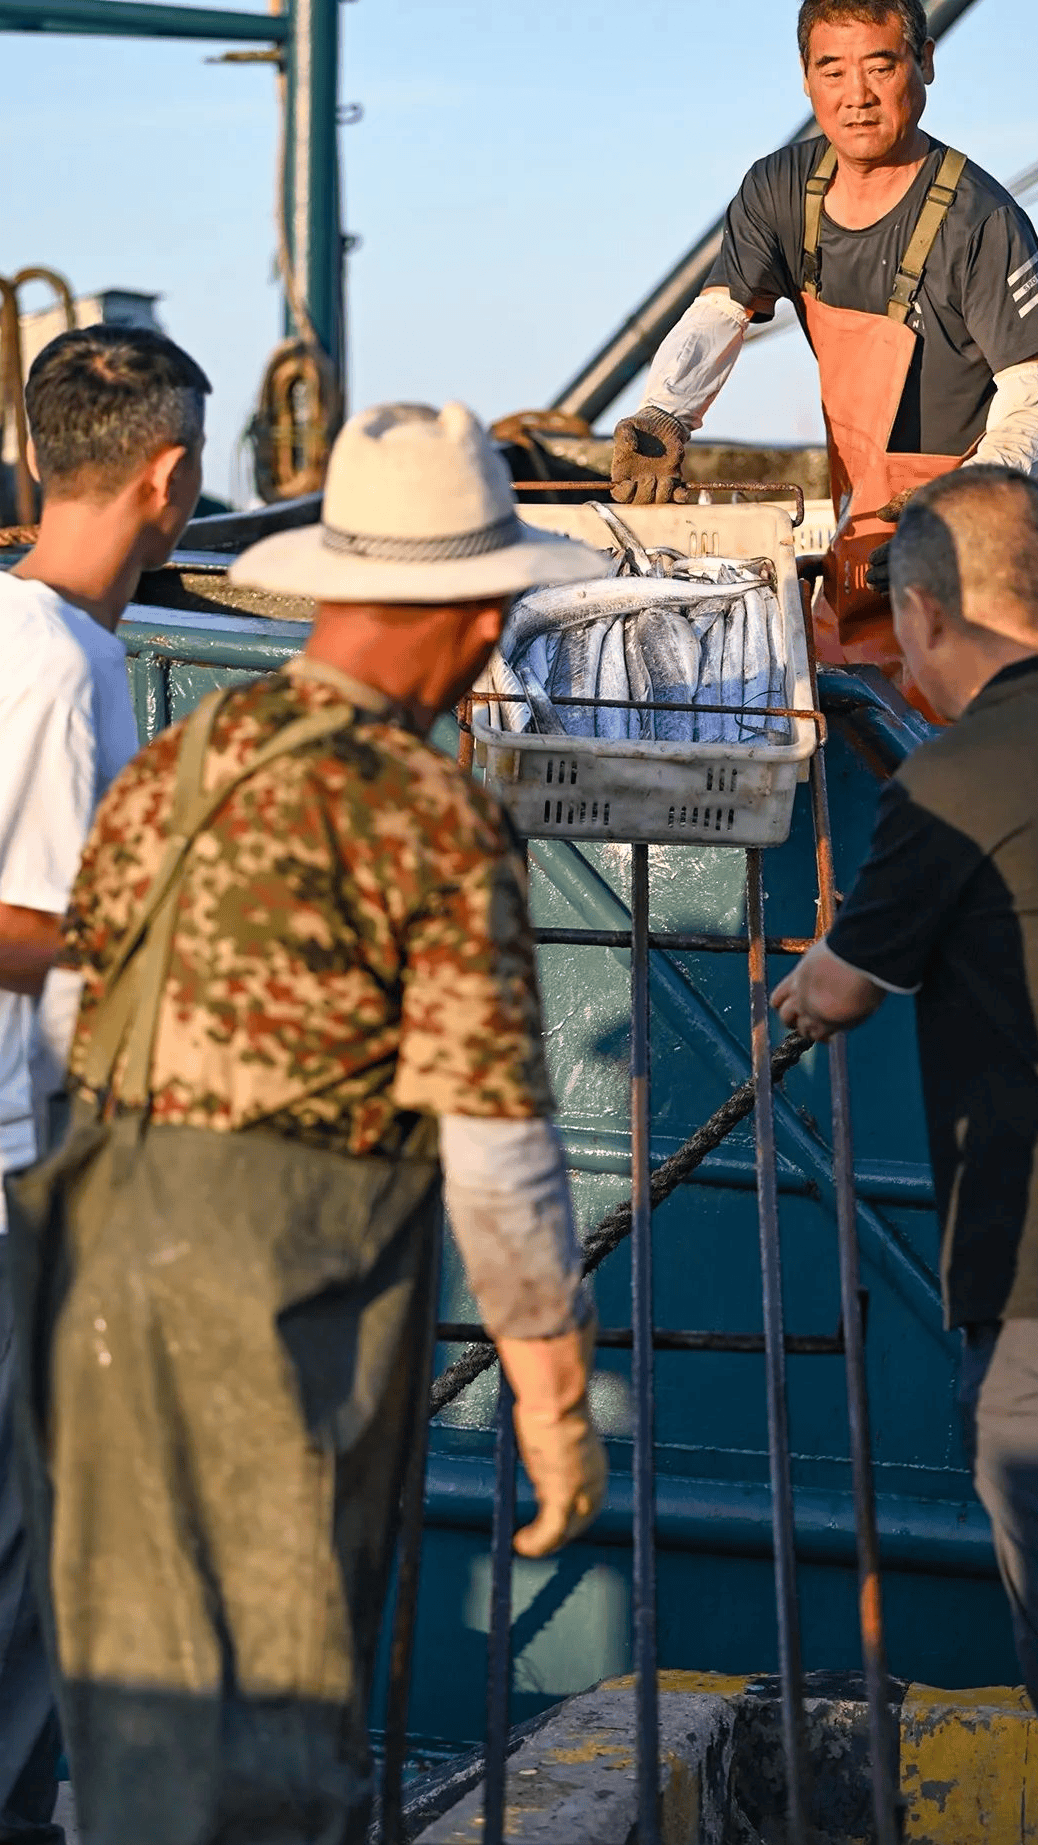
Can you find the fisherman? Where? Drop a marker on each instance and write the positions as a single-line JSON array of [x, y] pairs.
[[915, 278], [116, 422], [946, 907], [342, 976]]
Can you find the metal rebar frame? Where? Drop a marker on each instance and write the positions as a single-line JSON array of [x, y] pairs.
[[791, 1671], [643, 1339], [499, 1631], [885, 1793], [642, 1379], [409, 1559]]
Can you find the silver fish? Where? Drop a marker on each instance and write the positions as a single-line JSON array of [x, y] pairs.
[[546, 720], [641, 726], [733, 658], [514, 710], [670, 650], [484, 684], [539, 657], [777, 727], [626, 538], [575, 675], [757, 665], [570, 606], [610, 721], [711, 725]]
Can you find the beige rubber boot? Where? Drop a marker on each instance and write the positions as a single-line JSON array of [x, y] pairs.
[[561, 1450]]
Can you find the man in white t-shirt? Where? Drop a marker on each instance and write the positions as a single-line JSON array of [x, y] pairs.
[[116, 417]]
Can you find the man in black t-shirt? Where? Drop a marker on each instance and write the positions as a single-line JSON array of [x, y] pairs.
[[946, 907], [915, 277]]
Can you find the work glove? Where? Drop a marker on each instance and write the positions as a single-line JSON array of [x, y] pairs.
[[648, 450], [561, 1450], [877, 576]]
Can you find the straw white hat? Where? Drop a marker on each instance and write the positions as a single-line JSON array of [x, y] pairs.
[[418, 507]]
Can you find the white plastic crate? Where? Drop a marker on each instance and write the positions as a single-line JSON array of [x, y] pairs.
[[734, 794], [815, 535]]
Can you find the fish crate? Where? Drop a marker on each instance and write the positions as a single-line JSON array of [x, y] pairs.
[[719, 794]]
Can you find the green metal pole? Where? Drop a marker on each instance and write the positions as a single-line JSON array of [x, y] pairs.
[[315, 232], [131, 19]]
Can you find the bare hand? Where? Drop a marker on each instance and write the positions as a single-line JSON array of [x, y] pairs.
[[823, 995], [792, 1009]]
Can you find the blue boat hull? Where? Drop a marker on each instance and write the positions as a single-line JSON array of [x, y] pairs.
[[946, 1619]]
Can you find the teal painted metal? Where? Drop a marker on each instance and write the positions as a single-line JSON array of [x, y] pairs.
[[130, 19], [945, 1611], [313, 213]]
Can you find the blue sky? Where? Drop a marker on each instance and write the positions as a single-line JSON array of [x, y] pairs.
[[524, 172]]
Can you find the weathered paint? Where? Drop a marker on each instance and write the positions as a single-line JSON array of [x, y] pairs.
[[969, 1766], [689, 1684]]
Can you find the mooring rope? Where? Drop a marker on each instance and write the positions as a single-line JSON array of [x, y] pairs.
[[611, 1230]]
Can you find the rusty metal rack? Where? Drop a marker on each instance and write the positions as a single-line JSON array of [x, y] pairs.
[[644, 1339]]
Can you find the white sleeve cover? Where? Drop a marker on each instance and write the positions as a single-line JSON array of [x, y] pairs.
[[697, 357], [1011, 437], [507, 1193]]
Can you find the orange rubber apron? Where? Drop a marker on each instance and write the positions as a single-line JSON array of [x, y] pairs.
[[864, 362]]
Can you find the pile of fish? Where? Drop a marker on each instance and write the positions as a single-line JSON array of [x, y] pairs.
[[662, 630]]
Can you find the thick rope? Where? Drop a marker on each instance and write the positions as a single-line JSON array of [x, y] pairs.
[[610, 1232]]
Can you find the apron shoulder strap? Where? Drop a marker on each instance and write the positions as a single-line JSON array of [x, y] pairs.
[[817, 187], [939, 201], [129, 1007]]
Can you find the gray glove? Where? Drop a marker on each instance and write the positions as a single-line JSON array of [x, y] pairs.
[[877, 576], [648, 450]]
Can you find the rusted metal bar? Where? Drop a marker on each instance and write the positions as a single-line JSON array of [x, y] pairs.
[[885, 1794], [643, 1459], [772, 490], [409, 1560], [466, 740], [677, 940], [790, 1662], [621, 1339], [638, 704], [499, 1637]]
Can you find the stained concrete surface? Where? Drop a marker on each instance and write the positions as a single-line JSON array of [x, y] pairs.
[[968, 1763]]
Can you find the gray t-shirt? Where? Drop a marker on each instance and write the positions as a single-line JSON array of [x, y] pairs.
[[977, 308]]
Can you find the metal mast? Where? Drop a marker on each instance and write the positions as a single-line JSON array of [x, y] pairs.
[[304, 39]]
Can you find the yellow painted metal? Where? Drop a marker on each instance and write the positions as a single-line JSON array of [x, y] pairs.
[[708, 1684], [969, 1767]]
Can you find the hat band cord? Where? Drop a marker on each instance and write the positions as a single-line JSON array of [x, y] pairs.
[[497, 537]]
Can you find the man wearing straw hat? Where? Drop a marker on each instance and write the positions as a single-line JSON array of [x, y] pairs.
[[307, 960]]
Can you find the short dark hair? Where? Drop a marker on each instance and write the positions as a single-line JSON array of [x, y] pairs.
[[911, 13], [102, 401], [971, 532]]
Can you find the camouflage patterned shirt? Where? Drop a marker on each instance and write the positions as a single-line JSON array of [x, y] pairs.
[[352, 941]]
